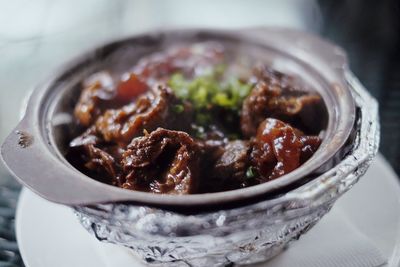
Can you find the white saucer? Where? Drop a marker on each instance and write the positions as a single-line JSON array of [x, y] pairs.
[[49, 235]]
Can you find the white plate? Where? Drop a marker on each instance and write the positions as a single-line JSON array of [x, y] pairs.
[[49, 235]]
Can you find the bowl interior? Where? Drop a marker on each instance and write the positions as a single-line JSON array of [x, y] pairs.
[[62, 94]]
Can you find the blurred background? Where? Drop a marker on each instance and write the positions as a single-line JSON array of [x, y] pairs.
[[36, 36]]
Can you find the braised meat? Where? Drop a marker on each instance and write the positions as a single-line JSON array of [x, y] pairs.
[[97, 93], [149, 111], [163, 161], [184, 121], [279, 149], [276, 95], [230, 168]]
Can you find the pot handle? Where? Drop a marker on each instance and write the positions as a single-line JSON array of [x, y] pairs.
[[27, 158]]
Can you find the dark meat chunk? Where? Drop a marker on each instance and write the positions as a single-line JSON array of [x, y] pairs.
[[158, 67], [226, 163], [163, 161], [152, 110], [96, 157], [276, 95], [95, 162], [99, 160], [101, 93], [233, 162], [96, 94], [279, 149], [129, 88]]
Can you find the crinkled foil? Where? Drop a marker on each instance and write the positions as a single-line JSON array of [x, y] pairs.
[[243, 235]]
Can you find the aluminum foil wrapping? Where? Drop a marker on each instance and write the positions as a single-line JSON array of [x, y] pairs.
[[244, 235]]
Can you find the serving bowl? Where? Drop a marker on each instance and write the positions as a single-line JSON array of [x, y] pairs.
[[240, 226]]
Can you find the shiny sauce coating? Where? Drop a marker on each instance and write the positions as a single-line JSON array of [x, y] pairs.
[[186, 121]]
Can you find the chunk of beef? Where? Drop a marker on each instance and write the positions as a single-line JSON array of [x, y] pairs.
[[278, 96], [163, 161], [95, 162], [96, 95], [152, 110], [129, 88], [96, 158], [225, 163], [233, 162], [279, 148], [100, 93]]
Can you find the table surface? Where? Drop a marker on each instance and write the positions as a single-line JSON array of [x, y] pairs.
[[36, 36]]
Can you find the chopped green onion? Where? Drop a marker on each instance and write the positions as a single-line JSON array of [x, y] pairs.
[[212, 89], [207, 90], [178, 108], [223, 100], [178, 83], [251, 172]]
